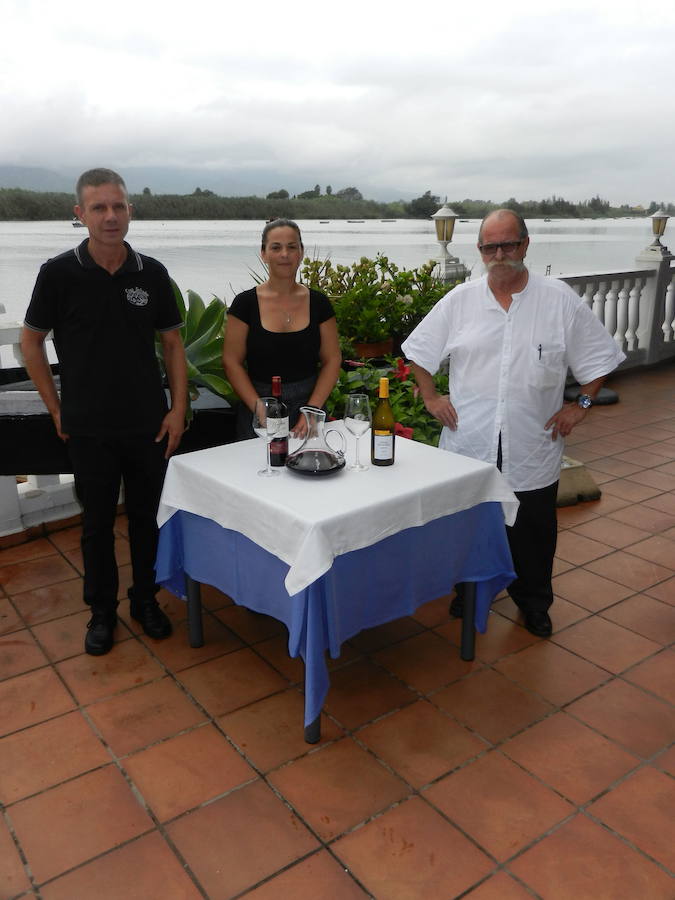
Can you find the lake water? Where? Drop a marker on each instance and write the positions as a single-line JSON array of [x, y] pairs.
[[218, 257]]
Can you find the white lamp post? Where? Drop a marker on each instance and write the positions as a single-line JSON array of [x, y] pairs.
[[656, 250], [451, 268]]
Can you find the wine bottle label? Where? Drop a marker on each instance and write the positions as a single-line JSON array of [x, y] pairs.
[[383, 444], [279, 441], [278, 428], [278, 452]]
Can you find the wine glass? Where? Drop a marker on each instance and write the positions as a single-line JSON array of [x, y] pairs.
[[265, 424], [357, 420]]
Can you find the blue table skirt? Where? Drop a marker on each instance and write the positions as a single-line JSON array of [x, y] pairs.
[[363, 588]]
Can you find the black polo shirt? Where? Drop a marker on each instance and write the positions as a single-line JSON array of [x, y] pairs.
[[104, 333]]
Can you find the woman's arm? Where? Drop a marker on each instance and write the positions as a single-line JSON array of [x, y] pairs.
[[234, 354], [330, 359]]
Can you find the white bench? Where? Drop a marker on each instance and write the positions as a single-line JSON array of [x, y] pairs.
[[41, 498]]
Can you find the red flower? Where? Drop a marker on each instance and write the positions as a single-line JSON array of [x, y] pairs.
[[402, 431], [402, 371]]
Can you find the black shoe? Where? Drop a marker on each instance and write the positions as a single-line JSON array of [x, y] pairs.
[[100, 630], [457, 608], [155, 622], [538, 623]]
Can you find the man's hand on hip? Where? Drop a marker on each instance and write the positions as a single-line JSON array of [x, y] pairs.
[[565, 420], [442, 409]]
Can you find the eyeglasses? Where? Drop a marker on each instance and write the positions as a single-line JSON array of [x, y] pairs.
[[506, 246]]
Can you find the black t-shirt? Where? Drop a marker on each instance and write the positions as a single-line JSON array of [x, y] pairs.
[[294, 355], [104, 333]]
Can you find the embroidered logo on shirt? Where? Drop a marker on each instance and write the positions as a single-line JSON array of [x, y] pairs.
[[137, 296]]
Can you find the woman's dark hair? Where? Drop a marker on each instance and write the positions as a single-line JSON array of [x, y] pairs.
[[280, 223]]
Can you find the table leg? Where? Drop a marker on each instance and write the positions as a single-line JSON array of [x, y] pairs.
[[194, 602], [313, 731], [468, 642]]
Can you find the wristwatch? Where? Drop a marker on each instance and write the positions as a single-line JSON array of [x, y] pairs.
[[584, 401]]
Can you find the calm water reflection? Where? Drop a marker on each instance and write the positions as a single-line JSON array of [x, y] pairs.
[[218, 257]]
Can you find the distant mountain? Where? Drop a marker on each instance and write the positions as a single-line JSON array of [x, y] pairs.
[[35, 179], [171, 180]]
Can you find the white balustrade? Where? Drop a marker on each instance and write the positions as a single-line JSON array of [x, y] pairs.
[[617, 299], [599, 301], [41, 498], [622, 314], [611, 301], [669, 320], [633, 314], [589, 292], [10, 347]]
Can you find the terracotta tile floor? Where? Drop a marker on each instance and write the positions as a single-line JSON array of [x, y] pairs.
[[543, 769]]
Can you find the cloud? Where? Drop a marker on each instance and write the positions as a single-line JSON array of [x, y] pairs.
[[472, 101]]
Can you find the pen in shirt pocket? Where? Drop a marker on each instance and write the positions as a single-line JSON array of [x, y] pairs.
[[539, 350]]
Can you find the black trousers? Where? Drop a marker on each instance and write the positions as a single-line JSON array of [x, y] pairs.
[[99, 465], [532, 539]]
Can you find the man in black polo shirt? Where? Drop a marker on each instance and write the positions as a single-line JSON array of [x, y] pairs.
[[105, 303]]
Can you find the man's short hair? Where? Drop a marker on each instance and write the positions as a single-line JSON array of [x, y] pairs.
[[95, 178], [519, 219]]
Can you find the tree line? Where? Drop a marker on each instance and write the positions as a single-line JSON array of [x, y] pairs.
[[551, 207], [346, 203]]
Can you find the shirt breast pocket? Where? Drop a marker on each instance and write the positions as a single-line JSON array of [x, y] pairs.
[[550, 366]]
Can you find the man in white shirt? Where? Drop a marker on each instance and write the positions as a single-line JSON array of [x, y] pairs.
[[510, 337]]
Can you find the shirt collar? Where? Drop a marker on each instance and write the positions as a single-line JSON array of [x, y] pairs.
[[525, 286], [133, 262], [489, 300]]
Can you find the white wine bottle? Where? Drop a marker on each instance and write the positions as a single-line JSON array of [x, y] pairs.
[[382, 445]]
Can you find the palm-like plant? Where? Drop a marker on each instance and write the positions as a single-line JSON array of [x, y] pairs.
[[202, 335]]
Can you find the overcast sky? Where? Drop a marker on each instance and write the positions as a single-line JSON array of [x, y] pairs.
[[487, 99]]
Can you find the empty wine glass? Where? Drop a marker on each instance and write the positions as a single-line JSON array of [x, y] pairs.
[[357, 420], [265, 424]]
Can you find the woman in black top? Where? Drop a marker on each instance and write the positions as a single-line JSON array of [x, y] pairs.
[[281, 328]]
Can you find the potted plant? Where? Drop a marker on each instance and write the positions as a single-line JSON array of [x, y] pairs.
[[417, 292], [376, 303], [210, 413], [362, 300]]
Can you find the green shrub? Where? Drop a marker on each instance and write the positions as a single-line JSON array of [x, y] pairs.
[[373, 298], [406, 402]]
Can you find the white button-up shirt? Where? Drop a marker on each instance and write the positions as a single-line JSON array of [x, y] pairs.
[[508, 370]]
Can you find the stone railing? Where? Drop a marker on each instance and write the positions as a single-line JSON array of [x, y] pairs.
[[637, 307]]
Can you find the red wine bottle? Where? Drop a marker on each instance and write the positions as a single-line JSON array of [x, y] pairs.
[[278, 426]]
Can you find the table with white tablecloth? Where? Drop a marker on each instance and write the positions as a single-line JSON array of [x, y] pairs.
[[332, 555]]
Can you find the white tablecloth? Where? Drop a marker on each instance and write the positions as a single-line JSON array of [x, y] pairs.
[[308, 521]]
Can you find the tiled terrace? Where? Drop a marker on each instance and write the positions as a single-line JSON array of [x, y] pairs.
[[544, 769]]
